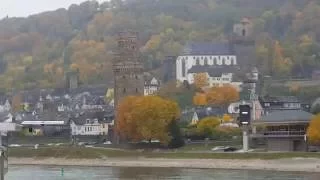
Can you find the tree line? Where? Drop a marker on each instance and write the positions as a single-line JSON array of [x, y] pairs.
[[36, 51]]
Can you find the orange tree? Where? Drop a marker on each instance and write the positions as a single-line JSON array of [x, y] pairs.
[[313, 131], [222, 95], [201, 80], [146, 118], [200, 99]]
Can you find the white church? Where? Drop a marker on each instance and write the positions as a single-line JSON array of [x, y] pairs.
[[218, 60]]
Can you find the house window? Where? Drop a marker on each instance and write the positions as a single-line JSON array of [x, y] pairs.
[[137, 90], [124, 90], [137, 77], [88, 121], [123, 76]]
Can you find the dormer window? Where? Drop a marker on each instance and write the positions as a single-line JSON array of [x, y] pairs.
[[88, 121]]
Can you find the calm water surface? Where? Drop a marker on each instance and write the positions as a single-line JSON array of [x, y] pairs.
[[76, 173]]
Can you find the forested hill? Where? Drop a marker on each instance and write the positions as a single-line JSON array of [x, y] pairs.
[[36, 51]]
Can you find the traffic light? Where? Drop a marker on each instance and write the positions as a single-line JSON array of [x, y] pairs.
[[245, 114]]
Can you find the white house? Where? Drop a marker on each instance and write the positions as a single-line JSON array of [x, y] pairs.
[[216, 79], [5, 107], [89, 124], [195, 119], [151, 86]]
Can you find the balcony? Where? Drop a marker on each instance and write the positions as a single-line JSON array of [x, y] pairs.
[[281, 134]]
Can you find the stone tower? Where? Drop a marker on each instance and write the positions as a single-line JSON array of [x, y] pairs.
[[244, 28], [127, 68], [72, 80], [243, 44]]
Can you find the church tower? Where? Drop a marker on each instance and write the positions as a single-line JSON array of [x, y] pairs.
[[127, 68]]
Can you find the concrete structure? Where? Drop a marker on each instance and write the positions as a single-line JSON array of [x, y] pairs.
[[285, 130]]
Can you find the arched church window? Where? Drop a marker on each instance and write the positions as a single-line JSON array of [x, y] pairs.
[[206, 61], [183, 67], [198, 61]]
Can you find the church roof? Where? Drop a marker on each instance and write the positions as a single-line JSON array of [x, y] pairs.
[[207, 48]]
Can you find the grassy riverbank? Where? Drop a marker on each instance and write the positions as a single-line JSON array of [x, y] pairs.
[[98, 153]]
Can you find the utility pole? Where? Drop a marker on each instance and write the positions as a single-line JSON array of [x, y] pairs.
[[2, 169]]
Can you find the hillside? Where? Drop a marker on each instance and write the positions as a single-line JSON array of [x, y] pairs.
[[37, 50]]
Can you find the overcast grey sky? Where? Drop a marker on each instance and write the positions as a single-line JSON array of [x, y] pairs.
[[22, 8]]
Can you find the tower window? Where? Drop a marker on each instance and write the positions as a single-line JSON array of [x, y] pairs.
[[243, 32]]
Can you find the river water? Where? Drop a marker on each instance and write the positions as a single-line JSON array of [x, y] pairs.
[[108, 173]]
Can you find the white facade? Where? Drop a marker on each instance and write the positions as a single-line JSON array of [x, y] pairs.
[[219, 81], [152, 87], [90, 128], [185, 63], [6, 107], [195, 119]]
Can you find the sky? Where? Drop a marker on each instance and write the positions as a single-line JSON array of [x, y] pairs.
[[23, 8]]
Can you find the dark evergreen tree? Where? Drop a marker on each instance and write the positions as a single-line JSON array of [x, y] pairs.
[[177, 139]]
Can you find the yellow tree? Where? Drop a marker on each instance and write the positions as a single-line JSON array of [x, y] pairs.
[[200, 99], [222, 95], [313, 131], [208, 125], [201, 80], [226, 118], [281, 65], [146, 118]]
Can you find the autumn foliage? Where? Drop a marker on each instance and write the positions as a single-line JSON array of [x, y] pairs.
[[200, 99], [220, 96], [313, 132], [146, 118], [201, 80], [207, 125]]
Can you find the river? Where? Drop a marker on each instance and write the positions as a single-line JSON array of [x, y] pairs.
[[109, 173]]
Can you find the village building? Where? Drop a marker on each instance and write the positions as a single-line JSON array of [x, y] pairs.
[[151, 86], [90, 124], [222, 61], [285, 130]]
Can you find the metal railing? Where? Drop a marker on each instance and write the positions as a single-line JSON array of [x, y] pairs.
[[286, 133]]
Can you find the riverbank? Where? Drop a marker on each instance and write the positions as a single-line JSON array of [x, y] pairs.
[[292, 164]]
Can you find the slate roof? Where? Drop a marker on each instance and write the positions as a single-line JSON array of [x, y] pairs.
[[80, 118], [287, 116], [207, 48], [214, 71], [287, 99], [3, 116]]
